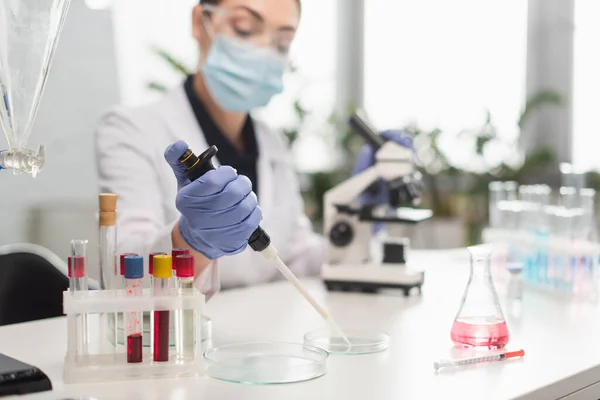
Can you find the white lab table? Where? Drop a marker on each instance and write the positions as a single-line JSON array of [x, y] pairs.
[[560, 340]]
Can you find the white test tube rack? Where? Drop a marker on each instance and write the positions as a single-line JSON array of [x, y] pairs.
[[505, 240], [93, 357]]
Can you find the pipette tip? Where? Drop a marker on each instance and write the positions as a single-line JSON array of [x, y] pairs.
[[337, 330]]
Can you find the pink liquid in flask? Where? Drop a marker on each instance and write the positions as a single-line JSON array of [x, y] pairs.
[[480, 332]]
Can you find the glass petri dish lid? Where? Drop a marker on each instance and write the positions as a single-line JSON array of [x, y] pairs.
[[266, 363], [361, 341]]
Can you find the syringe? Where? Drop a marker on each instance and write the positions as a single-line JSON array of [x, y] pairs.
[[259, 241], [461, 362]]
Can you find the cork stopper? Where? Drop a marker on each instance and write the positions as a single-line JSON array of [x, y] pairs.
[[108, 202], [108, 209]]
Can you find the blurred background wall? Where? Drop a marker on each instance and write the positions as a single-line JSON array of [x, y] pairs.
[[490, 89]]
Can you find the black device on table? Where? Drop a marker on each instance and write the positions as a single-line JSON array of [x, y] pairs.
[[16, 378]]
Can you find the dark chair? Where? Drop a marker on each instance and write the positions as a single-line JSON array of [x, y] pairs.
[[31, 286]]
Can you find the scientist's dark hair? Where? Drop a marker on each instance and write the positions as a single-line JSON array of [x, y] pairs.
[[216, 2]]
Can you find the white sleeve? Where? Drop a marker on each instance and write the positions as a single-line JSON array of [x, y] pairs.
[[126, 167]]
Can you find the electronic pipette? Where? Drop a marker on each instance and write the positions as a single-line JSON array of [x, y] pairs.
[[259, 241]]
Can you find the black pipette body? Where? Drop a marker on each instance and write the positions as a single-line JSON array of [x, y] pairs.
[[196, 166]]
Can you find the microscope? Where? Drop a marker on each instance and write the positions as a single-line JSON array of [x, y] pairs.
[[357, 258]]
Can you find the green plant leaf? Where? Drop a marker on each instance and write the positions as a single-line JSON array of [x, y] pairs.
[[158, 87], [178, 65], [546, 97]]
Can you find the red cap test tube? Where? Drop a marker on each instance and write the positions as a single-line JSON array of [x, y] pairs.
[[185, 339], [174, 254]]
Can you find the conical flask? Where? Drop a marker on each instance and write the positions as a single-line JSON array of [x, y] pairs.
[[29, 32], [479, 321]]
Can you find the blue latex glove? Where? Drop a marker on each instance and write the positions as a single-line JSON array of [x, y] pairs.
[[377, 193], [219, 211]]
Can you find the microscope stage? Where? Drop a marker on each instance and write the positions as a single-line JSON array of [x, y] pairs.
[[371, 278]]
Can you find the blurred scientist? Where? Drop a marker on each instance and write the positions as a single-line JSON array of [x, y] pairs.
[[244, 46]]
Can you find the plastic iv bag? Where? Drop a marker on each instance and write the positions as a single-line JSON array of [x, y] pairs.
[[29, 32]]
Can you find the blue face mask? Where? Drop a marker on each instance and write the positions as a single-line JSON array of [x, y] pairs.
[[240, 76]]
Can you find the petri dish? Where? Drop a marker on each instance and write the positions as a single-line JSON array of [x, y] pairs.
[[266, 363], [361, 341]]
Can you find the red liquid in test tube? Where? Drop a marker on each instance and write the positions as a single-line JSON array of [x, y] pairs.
[[161, 286], [174, 254], [134, 274]]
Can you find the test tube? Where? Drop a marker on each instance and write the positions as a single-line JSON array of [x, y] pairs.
[[77, 275], [109, 274], [121, 284], [185, 335], [163, 274], [151, 265], [174, 254], [78, 283], [134, 274], [108, 241]]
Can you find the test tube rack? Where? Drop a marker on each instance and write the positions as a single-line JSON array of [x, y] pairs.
[[93, 357], [566, 268]]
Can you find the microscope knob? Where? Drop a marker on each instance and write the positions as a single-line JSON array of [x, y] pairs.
[[341, 234]]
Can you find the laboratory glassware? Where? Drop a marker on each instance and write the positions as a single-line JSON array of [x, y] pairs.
[[101, 365], [510, 190], [134, 274], [463, 362], [480, 321], [163, 274], [108, 241], [572, 176], [515, 283], [363, 341], [151, 265], [585, 230], [121, 280], [586, 227], [77, 267], [175, 253], [496, 195], [78, 283], [184, 319], [266, 363], [29, 32]]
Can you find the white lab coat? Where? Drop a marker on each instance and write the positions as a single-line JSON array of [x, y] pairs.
[[130, 143]]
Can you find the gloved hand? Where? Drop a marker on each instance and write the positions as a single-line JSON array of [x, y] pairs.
[[219, 211], [377, 194]]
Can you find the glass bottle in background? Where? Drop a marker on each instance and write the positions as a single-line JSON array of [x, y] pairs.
[[544, 192], [510, 190], [567, 220], [497, 194], [585, 231], [524, 231], [480, 321]]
